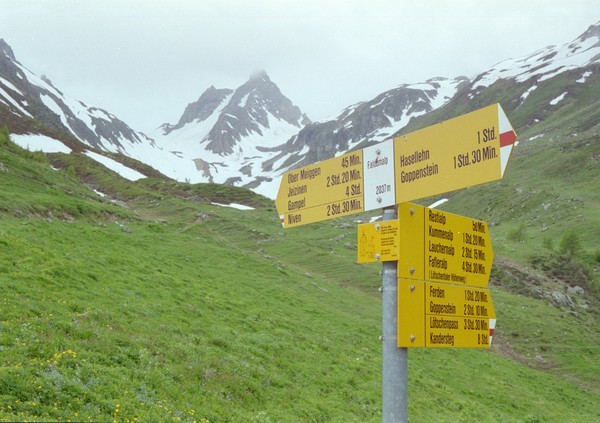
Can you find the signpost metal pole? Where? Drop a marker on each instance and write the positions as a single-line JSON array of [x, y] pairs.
[[395, 360]]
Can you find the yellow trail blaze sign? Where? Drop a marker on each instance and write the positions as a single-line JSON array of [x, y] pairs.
[[378, 241]]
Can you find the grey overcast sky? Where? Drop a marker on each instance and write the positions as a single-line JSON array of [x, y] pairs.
[[145, 60]]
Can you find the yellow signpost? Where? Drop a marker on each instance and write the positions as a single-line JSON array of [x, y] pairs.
[[443, 315], [444, 262], [436, 290], [468, 150]]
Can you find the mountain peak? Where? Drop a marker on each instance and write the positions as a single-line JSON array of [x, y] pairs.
[[6, 50], [260, 74], [258, 81], [200, 109], [592, 31], [239, 122], [255, 106]]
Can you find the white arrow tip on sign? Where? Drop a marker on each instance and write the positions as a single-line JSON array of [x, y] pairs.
[[504, 156], [507, 138]]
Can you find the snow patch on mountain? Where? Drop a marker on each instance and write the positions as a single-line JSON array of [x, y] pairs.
[[546, 63], [584, 77], [8, 84], [121, 169], [235, 206], [9, 100], [558, 99], [43, 143]]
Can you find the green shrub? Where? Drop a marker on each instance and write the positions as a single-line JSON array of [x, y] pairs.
[[518, 234], [4, 135], [570, 244]]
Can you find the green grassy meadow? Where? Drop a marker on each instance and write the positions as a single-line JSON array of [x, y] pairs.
[[176, 309]]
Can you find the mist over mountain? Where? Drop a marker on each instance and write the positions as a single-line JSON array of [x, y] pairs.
[[249, 135]]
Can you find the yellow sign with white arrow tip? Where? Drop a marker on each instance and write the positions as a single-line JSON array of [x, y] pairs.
[[469, 150]]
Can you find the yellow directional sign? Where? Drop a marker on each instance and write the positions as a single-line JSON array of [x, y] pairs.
[[431, 245], [455, 249], [458, 153], [468, 150], [328, 189], [378, 241], [434, 314]]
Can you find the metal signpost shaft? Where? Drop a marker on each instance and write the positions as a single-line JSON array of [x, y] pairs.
[[395, 360]]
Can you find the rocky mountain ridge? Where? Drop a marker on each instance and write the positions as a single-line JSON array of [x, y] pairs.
[[367, 122], [246, 111], [24, 94], [226, 134]]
